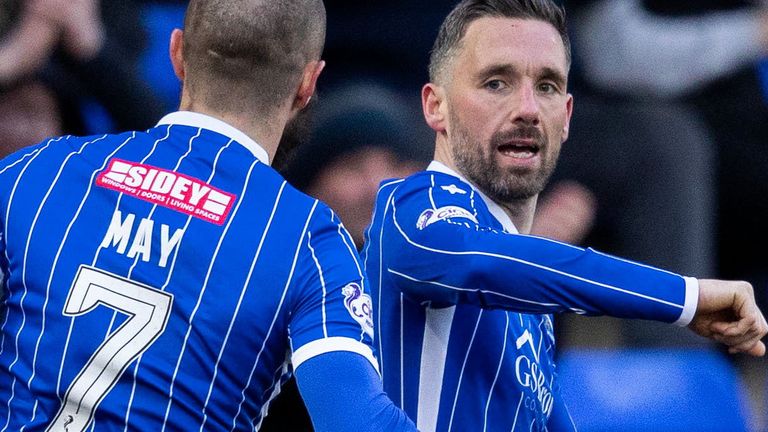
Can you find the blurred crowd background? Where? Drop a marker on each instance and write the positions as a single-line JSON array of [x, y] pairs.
[[666, 163]]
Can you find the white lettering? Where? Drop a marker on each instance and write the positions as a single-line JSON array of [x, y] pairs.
[[181, 186], [142, 241], [199, 190], [168, 245], [149, 179], [527, 381], [135, 176], [163, 182], [119, 230]]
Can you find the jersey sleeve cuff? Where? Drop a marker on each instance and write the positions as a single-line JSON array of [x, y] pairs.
[[332, 344], [691, 302]]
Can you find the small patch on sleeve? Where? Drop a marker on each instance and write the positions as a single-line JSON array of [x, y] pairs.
[[430, 216], [359, 306]]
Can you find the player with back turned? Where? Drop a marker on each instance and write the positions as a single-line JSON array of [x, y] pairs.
[[464, 297], [170, 279]]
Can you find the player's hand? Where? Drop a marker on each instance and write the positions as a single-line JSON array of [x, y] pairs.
[[727, 313]]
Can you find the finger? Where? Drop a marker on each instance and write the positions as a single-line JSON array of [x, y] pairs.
[[757, 350], [753, 333], [754, 347], [732, 328]]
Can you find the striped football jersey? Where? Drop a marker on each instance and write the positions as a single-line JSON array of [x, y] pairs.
[[164, 280], [463, 318]]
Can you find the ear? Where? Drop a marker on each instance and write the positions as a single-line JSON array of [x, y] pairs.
[[434, 106], [176, 50], [568, 113], [308, 84]]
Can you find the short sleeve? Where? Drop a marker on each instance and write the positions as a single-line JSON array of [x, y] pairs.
[[331, 305]]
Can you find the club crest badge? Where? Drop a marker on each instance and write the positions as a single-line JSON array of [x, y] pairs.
[[360, 306]]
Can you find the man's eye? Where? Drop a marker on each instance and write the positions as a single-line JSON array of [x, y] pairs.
[[547, 88], [494, 85]]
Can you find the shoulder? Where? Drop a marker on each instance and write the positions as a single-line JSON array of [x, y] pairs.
[[433, 182]]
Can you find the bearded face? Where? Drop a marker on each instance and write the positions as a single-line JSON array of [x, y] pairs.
[[483, 163], [506, 107]]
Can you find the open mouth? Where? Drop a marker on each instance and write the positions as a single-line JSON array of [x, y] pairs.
[[519, 150]]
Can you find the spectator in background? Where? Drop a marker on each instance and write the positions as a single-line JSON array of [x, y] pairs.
[[361, 134], [655, 67], [78, 50]]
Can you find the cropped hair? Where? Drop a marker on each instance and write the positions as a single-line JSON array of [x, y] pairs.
[[246, 54], [455, 26]]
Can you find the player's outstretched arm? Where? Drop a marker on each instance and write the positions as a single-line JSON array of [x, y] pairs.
[[343, 392], [727, 313]]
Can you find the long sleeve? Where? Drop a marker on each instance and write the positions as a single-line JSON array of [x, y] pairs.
[[445, 248], [343, 393]]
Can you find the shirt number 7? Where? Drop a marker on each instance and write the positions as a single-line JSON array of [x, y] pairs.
[[148, 310]]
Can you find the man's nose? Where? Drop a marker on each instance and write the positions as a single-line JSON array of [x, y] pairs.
[[528, 110]]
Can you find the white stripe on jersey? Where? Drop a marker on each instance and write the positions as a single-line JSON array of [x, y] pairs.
[[275, 391], [498, 370], [528, 263], [136, 259], [24, 265], [376, 329], [7, 215], [170, 271], [120, 197], [53, 268], [347, 239], [276, 376], [517, 411], [431, 188], [437, 329], [117, 206], [33, 153], [402, 352], [274, 318], [381, 272], [95, 259], [322, 280], [202, 293], [413, 279], [463, 366], [61, 246], [239, 303]]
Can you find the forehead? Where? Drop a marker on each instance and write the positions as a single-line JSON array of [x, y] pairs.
[[512, 41]]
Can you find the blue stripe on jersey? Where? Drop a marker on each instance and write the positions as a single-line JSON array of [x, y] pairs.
[[469, 303], [235, 289]]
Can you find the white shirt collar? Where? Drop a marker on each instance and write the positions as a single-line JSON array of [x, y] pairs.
[[189, 118], [495, 209]]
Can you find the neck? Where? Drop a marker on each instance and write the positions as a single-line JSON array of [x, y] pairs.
[[521, 211], [265, 130]]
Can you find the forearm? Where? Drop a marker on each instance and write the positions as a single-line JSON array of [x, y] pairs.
[[343, 392], [451, 263]]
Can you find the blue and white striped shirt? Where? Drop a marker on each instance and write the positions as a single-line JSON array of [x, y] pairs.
[[164, 280], [463, 327]]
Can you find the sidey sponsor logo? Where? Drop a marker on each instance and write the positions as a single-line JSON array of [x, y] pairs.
[[169, 189]]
